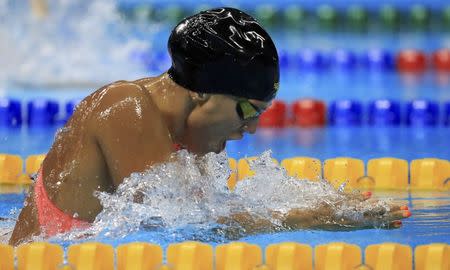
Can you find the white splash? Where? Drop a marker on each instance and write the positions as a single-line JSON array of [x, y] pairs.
[[80, 42], [191, 192]]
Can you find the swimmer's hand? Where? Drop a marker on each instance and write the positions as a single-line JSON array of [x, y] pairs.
[[325, 216]]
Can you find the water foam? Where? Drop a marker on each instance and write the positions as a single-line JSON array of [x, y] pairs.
[[191, 192], [79, 43]]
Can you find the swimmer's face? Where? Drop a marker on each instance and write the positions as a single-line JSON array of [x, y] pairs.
[[221, 118]]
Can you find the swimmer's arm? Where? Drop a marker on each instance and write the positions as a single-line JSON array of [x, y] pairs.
[[323, 217], [129, 131], [252, 224]]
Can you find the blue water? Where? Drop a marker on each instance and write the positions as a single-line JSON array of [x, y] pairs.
[[430, 223], [431, 210], [359, 142]]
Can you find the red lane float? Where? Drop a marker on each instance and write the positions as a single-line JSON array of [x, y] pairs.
[[274, 116], [441, 60], [411, 61], [309, 113]]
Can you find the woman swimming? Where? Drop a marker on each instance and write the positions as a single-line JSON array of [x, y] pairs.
[[224, 74]]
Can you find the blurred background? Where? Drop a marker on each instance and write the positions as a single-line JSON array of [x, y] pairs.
[[358, 78]]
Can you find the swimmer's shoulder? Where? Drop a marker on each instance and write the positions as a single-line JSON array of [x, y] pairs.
[[126, 102], [121, 92], [125, 105], [128, 129]]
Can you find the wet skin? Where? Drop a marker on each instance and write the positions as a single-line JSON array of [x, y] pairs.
[[127, 127]]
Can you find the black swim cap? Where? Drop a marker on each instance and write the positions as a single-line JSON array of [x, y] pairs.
[[224, 51]]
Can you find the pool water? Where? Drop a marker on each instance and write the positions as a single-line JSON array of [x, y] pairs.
[[430, 220], [429, 223]]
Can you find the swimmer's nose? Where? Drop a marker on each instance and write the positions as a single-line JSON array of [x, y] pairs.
[[249, 128]]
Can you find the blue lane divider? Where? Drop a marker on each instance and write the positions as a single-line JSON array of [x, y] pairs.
[[42, 112], [344, 59], [315, 60], [284, 59], [447, 114], [10, 113], [70, 108], [384, 113], [310, 59], [422, 113], [378, 59], [345, 113]]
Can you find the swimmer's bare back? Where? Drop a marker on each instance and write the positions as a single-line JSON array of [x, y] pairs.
[[115, 131]]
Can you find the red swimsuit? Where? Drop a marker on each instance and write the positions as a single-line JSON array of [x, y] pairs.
[[51, 219]]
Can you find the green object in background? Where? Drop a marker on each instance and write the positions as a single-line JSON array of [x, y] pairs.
[[419, 16], [142, 12], [389, 17], [169, 14], [446, 18], [327, 16], [294, 16], [357, 17], [266, 14]]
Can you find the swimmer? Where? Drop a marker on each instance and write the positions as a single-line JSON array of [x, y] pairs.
[[224, 74]]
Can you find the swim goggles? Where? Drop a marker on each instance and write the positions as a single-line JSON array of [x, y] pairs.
[[246, 110]]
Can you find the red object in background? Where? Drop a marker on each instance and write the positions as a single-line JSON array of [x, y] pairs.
[[411, 61], [309, 113], [441, 60], [274, 116]]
